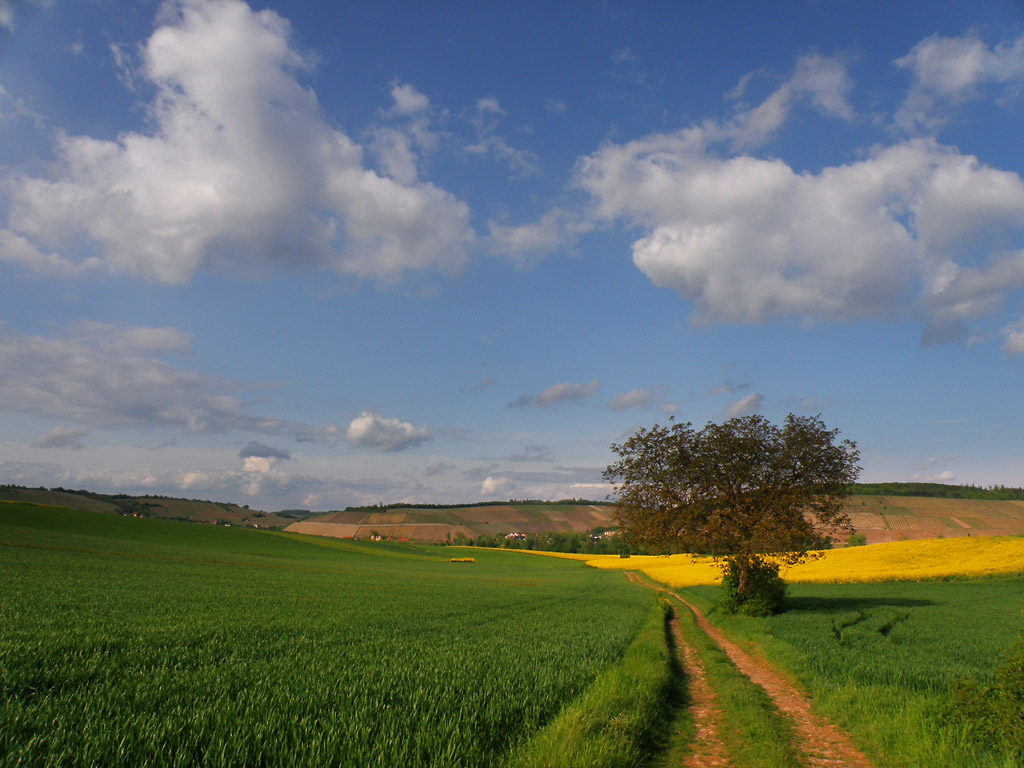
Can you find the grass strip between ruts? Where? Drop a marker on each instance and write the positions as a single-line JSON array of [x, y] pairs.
[[755, 734], [621, 720]]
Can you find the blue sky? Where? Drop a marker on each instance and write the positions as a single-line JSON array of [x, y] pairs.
[[318, 254]]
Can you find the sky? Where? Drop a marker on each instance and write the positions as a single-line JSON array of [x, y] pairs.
[[320, 254]]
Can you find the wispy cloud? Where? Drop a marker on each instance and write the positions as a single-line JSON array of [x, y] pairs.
[[109, 376], [59, 437], [949, 71], [750, 404], [652, 397], [533, 453], [567, 392], [489, 143]]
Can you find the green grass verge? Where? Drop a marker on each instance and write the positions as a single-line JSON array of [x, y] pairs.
[[884, 661], [622, 719]]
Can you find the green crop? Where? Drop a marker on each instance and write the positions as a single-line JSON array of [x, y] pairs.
[[130, 642]]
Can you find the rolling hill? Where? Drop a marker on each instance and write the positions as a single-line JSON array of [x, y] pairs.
[[879, 518], [444, 523], [188, 510]]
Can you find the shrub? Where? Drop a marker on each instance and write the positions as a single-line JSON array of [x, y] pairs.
[[996, 713], [765, 589], [857, 540]]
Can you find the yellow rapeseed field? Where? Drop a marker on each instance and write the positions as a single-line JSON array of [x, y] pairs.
[[896, 561], [563, 555]]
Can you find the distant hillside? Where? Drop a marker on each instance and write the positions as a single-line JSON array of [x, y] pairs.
[[878, 518], [189, 510], [447, 523], [895, 518], [880, 511]]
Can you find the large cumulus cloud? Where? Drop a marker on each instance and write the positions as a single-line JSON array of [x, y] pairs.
[[240, 167], [913, 227]]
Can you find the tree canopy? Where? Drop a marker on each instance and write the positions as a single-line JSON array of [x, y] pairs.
[[738, 490]]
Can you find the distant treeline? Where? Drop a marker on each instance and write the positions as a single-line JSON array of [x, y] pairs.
[[940, 491], [593, 542]]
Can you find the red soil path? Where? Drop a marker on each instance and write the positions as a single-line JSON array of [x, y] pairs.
[[708, 750], [822, 743]]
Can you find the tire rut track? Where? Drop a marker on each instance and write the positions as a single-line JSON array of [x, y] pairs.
[[822, 744], [708, 751]]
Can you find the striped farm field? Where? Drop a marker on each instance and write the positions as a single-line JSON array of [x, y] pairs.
[[902, 522]]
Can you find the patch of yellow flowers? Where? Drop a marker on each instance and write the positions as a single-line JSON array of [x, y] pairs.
[[896, 561]]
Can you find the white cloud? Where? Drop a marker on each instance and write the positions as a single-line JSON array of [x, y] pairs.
[[8, 10], [950, 70], [526, 244], [595, 491], [260, 475], [241, 168], [566, 392], [408, 101], [15, 249], [728, 387], [822, 79], [493, 487], [748, 239], [400, 144], [12, 107], [370, 430], [59, 437], [490, 144], [555, 106], [825, 80], [926, 471], [642, 398], [112, 377], [750, 404], [489, 104], [1013, 338]]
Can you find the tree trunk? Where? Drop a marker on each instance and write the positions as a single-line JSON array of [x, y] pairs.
[[741, 582]]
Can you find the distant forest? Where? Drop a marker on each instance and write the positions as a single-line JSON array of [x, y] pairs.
[[940, 491]]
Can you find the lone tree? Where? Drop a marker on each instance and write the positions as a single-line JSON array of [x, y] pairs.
[[748, 492]]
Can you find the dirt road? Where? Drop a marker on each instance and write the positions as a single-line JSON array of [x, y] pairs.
[[821, 743]]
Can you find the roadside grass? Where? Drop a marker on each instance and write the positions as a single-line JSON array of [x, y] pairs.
[[885, 661], [128, 642], [623, 718]]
